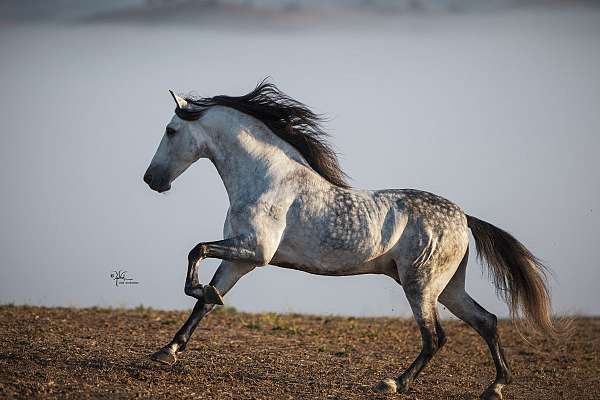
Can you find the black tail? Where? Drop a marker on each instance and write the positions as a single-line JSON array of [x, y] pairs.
[[519, 277]]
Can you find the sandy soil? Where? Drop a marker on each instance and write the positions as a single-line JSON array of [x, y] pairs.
[[103, 353]]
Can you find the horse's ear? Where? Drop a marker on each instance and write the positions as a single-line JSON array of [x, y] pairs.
[[180, 101]]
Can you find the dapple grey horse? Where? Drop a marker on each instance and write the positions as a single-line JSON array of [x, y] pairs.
[[290, 206]]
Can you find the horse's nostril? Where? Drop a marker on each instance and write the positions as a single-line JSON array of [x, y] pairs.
[[148, 178]]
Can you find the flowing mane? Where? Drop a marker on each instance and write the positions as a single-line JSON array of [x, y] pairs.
[[289, 119]]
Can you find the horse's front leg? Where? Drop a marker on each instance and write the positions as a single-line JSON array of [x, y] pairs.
[[238, 249], [224, 279]]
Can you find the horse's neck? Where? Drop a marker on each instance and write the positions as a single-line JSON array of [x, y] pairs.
[[250, 159]]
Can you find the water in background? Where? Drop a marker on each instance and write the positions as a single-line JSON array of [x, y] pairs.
[[495, 110]]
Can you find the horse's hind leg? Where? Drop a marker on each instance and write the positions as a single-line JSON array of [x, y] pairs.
[[422, 294], [458, 301], [431, 331]]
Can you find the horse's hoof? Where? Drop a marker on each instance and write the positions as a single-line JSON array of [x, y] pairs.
[[492, 393], [164, 356], [387, 385]]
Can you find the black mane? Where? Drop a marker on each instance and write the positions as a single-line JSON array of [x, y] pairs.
[[289, 119]]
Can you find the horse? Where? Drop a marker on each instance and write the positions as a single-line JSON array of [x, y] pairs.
[[291, 206]]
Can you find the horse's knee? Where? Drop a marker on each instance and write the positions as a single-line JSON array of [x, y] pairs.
[[197, 253]]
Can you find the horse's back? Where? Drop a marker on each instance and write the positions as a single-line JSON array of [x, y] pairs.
[[343, 231]]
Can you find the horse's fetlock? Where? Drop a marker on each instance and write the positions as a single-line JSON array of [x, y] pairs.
[[402, 384], [507, 376], [193, 291]]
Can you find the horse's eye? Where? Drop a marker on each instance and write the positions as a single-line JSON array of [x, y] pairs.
[[170, 131]]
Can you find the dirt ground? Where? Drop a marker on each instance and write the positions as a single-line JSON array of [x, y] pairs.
[[103, 353]]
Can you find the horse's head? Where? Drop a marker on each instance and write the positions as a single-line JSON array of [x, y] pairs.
[[183, 143]]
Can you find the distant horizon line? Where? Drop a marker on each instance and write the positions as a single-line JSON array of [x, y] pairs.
[[234, 310]]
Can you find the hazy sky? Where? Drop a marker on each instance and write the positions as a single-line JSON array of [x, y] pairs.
[[498, 112]]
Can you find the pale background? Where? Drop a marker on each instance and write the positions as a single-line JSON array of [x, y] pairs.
[[493, 105]]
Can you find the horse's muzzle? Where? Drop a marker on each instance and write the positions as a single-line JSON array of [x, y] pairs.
[[155, 183]]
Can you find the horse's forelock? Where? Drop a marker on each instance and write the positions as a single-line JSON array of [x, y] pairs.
[[189, 113]]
